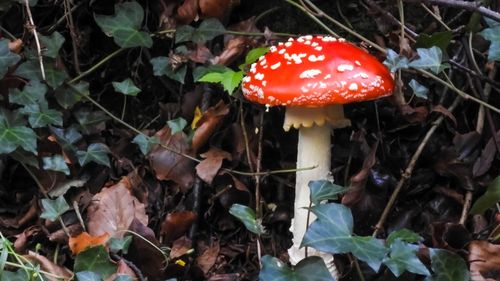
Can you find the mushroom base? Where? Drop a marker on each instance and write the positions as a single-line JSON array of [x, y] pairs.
[[307, 117]]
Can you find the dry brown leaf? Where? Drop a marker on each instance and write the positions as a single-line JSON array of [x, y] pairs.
[[484, 261], [200, 54], [113, 209], [209, 167], [84, 241], [180, 247], [440, 109], [50, 267], [208, 123], [176, 224], [122, 269], [188, 11], [169, 165], [206, 260], [215, 8], [16, 46], [233, 50]]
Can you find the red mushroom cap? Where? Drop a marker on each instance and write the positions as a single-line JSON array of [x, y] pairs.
[[315, 71]]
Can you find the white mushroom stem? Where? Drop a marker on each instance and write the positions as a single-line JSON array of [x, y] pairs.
[[313, 150]]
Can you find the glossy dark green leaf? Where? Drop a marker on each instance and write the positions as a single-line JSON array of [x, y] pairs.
[[418, 89], [119, 244], [55, 163], [394, 61], [95, 259], [66, 137], [69, 95], [53, 209], [32, 93], [310, 268], [14, 134], [447, 266], [7, 58], [51, 44], [184, 33], [145, 143], [177, 125], [54, 77], [29, 70], [403, 257], [96, 152], [40, 116], [440, 39], [90, 121], [488, 199], [247, 216], [324, 190], [126, 87], [430, 58], [87, 276], [405, 235], [162, 66]]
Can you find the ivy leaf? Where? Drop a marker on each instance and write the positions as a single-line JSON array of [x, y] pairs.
[[418, 89], [96, 152], [247, 216], [25, 157], [394, 61], [123, 277], [53, 209], [29, 70], [119, 244], [95, 259], [447, 266], [324, 190], [51, 44], [124, 25], [66, 137], [14, 134], [208, 30], [54, 77], [40, 116], [55, 163], [177, 125], [430, 58], [255, 54], [145, 143], [440, 39], [90, 121], [88, 276], [69, 95], [403, 257], [492, 34], [32, 93], [126, 87], [162, 66], [184, 33], [310, 268], [7, 58], [488, 199], [405, 235], [229, 79]]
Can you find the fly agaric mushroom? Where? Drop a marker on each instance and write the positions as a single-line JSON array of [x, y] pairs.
[[313, 76]]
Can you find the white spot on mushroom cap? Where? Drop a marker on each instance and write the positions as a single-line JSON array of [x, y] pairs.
[[273, 49], [276, 65], [259, 76], [344, 67], [314, 58], [318, 48], [288, 44], [310, 73], [353, 87]]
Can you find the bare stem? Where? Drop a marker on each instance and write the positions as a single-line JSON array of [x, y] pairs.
[[32, 27]]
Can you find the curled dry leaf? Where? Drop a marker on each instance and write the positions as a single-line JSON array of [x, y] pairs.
[[208, 123], [180, 247], [200, 54], [176, 224], [233, 50], [113, 209], [484, 261], [83, 241], [187, 12], [169, 165], [208, 258], [209, 167], [48, 266]]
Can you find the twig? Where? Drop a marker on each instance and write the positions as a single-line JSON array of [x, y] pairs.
[[73, 34], [96, 66], [32, 27], [474, 6], [436, 17], [409, 169]]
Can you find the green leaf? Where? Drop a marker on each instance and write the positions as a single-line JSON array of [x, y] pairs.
[[162, 66], [177, 125], [430, 58], [368, 249], [32, 93], [54, 77], [14, 134], [184, 33], [66, 137], [69, 95], [394, 61], [447, 266], [208, 30], [19, 275], [310, 268], [124, 25], [96, 152], [51, 44], [55, 163], [418, 89], [26, 158], [119, 244], [90, 121], [324, 190], [405, 235], [7, 58], [40, 116], [492, 34], [126, 87], [53, 209], [488, 199], [255, 54], [88, 276], [29, 70], [247, 216], [229, 79], [403, 257], [440, 39], [145, 143], [95, 259]]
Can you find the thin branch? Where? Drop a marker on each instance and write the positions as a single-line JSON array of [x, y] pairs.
[[32, 27], [474, 6]]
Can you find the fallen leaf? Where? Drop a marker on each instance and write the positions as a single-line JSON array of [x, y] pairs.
[[207, 259], [180, 247], [233, 49], [122, 269], [50, 267], [215, 8], [225, 277], [208, 123], [483, 163], [209, 167], [84, 240], [200, 54], [176, 224], [439, 108], [188, 11], [484, 261], [113, 209], [16, 46]]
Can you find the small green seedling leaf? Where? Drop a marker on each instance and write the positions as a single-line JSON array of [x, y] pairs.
[[403, 257], [405, 235], [229, 79], [255, 54], [124, 25], [247, 216], [310, 268], [96, 152], [7, 58], [394, 61], [95, 259], [177, 125], [53, 209], [447, 266], [51, 44], [14, 134], [162, 66], [488, 199], [55, 163], [492, 34], [32, 93], [430, 58], [119, 244], [88, 276], [324, 190], [145, 143], [418, 89], [126, 87], [440, 39]]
